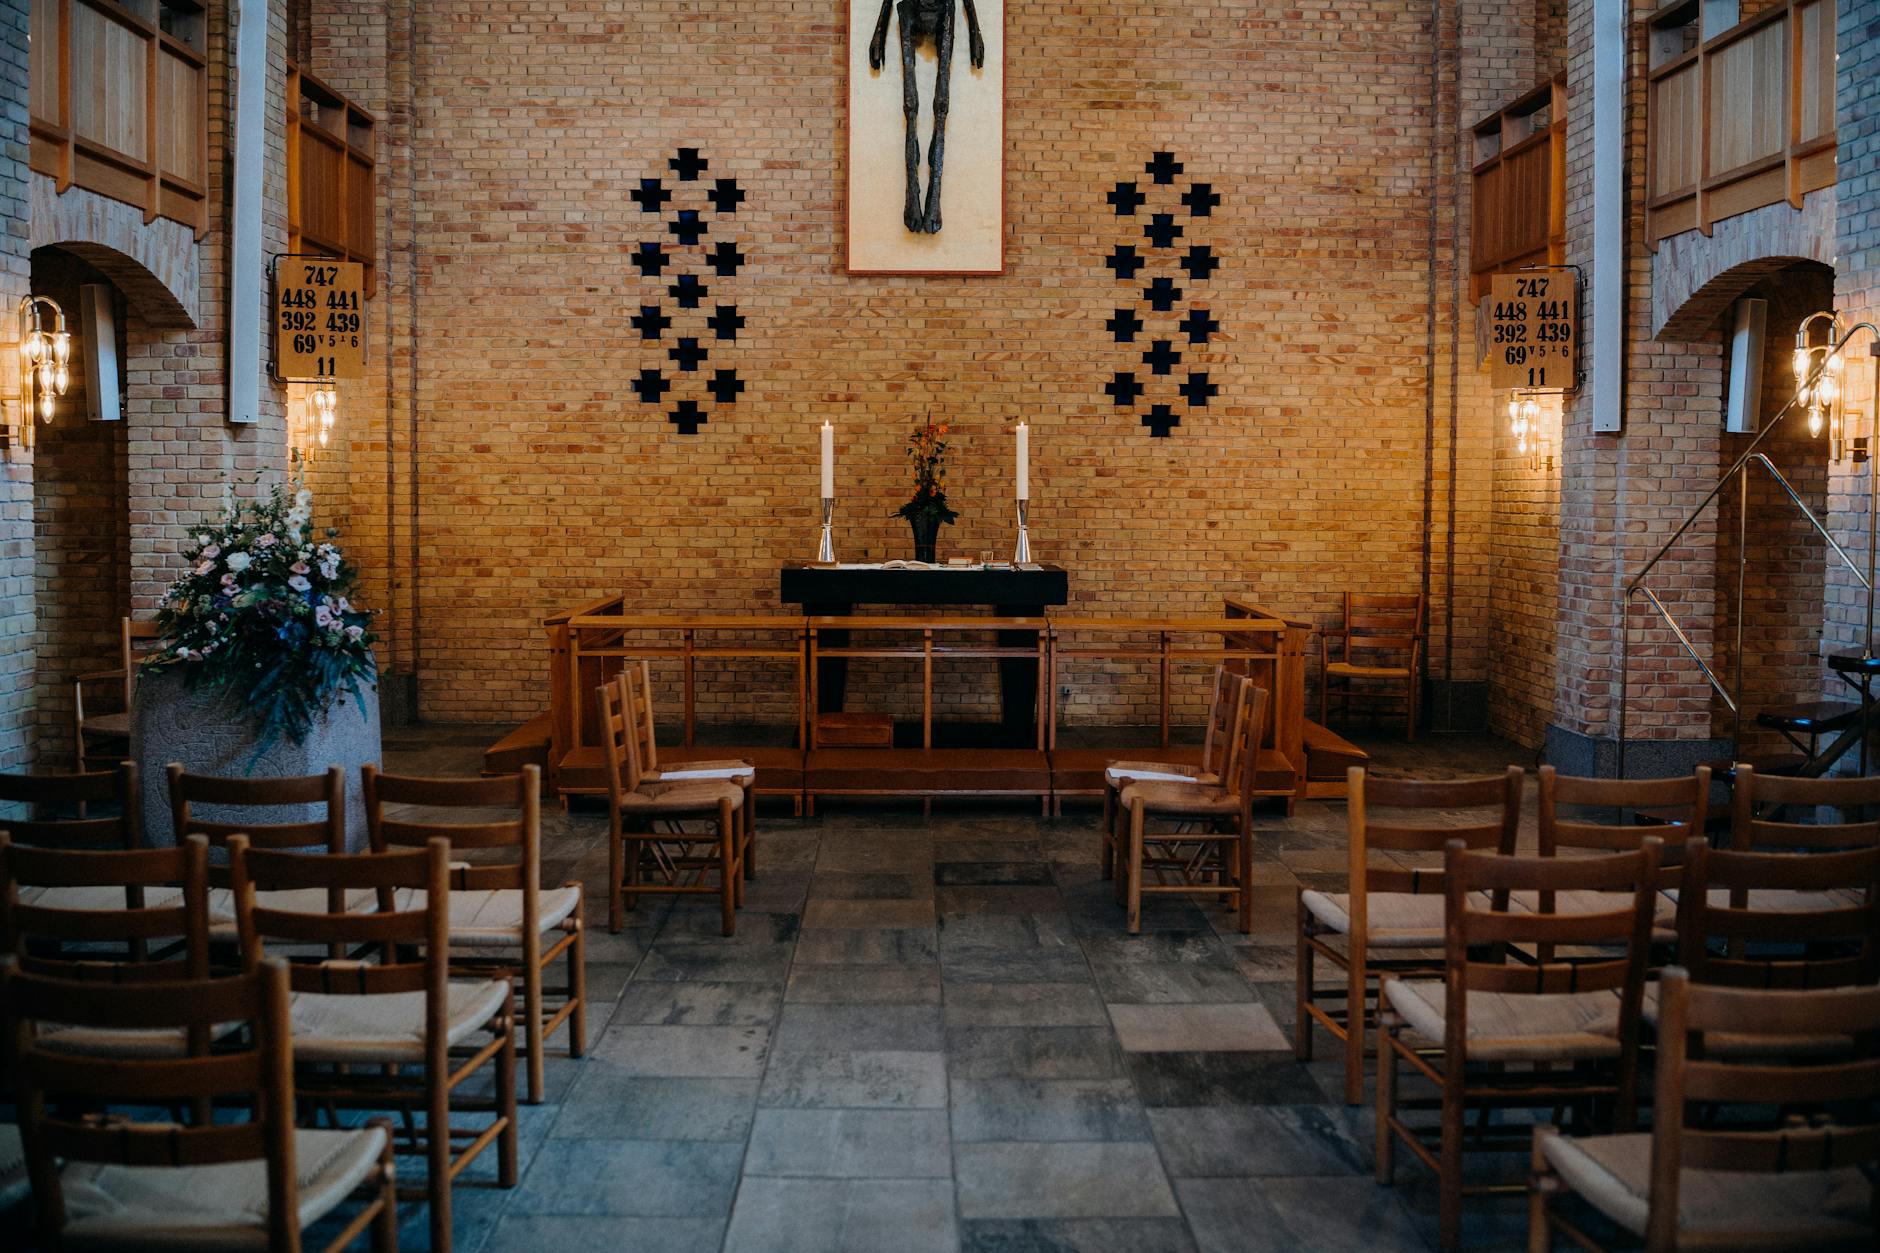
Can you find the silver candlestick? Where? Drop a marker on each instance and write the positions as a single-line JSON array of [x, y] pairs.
[[827, 550], [1021, 553]]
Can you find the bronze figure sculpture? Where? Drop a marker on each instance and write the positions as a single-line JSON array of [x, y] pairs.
[[925, 19]]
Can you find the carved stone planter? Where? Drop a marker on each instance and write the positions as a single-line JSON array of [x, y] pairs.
[[209, 735]]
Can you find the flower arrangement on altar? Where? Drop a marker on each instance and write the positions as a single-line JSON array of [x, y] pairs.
[[264, 615], [928, 510]]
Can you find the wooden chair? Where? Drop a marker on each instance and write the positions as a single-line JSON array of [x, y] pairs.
[[1761, 801], [636, 687], [1392, 907], [497, 908], [99, 810], [1380, 646], [360, 1029], [113, 728], [1780, 920], [684, 861], [1716, 1171], [63, 914], [1211, 850], [1493, 1033], [1675, 806], [137, 1179], [251, 807], [1223, 709]]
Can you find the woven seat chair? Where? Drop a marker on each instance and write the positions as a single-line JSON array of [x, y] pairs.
[[501, 919], [99, 810], [1719, 1170], [1390, 907], [396, 1033], [219, 807], [1211, 850], [644, 835], [137, 1179], [636, 694], [1222, 710], [101, 736], [1491, 1033]]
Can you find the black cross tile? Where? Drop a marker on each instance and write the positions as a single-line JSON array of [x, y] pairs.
[[651, 195], [1197, 391], [687, 290], [1161, 357], [1162, 167], [1126, 199], [649, 321], [1160, 420], [1199, 325], [651, 385], [1123, 389], [1124, 261], [688, 226], [1201, 199], [726, 195], [688, 165], [725, 386], [688, 354], [1161, 293], [1200, 262], [651, 259], [687, 416], [724, 258], [1162, 230], [1124, 324], [725, 323]]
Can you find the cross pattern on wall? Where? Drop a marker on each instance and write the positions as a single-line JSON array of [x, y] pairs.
[[1162, 265], [684, 319]]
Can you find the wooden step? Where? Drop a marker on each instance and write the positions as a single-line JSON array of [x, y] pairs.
[[927, 772], [527, 745], [1328, 754]]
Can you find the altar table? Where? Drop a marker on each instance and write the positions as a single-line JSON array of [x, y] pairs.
[[1013, 592]]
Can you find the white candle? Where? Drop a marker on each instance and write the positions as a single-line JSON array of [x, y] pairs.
[[1024, 462], [828, 461]]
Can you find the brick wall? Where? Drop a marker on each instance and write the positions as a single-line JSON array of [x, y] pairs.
[[501, 466], [16, 476]]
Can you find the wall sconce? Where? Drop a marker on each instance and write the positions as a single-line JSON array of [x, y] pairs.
[[45, 362], [310, 419], [1818, 370], [1524, 414]]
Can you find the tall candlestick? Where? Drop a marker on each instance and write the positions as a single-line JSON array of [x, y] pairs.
[[828, 461], [1024, 462]]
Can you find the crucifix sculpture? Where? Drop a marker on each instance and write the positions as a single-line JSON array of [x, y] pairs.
[[925, 19]]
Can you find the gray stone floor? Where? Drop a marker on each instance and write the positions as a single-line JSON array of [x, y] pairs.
[[933, 1033]]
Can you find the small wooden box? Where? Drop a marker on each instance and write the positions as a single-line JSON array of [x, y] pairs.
[[854, 730]]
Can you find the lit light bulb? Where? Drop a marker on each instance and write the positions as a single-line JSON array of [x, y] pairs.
[[1803, 358], [34, 346], [1834, 364], [1814, 420], [61, 347], [1827, 390], [45, 406]]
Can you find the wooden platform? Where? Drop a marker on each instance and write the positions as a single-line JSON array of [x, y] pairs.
[[1328, 756]]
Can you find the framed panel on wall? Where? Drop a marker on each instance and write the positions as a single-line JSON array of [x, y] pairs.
[[899, 222]]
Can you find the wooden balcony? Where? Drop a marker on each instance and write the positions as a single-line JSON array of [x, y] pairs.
[[120, 102], [330, 161], [1519, 202], [1739, 120]]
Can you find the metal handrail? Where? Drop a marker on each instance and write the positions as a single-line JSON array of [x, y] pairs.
[[1739, 470]]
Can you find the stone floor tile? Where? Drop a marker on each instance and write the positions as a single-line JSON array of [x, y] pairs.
[[609, 1105], [1083, 1235], [1040, 1180], [862, 1079], [1258, 1215], [808, 1026], [954, 902], [642, 1178], [685, 1052], [1204, 1078], [696, 920], [712, 962], [699, 1004], [1242, 1028], [864, 985], [1257, 1140], [527, 1233], [879, 885], [1023, 1005], [1032, 1053], [1046, 1109], [851, 1144], [853, 913], [843, 1216], [869, 946], [955, 872]]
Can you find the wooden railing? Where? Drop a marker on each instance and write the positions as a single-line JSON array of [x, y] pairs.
[[1739, 120], [120, 103], [331, 151], [1519, 204]]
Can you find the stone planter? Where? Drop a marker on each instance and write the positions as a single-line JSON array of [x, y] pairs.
[[207, 733]]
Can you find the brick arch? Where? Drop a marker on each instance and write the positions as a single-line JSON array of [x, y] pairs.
[[1694, 278], [155, 264]]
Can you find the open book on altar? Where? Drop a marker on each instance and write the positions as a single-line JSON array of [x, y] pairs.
[[928, 565]]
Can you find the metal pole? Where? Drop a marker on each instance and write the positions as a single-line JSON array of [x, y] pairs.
[[1742, 564], [1873, 491], [1625, 670]]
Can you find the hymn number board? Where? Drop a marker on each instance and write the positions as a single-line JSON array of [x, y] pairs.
[[319, 319], [1533, 330]]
